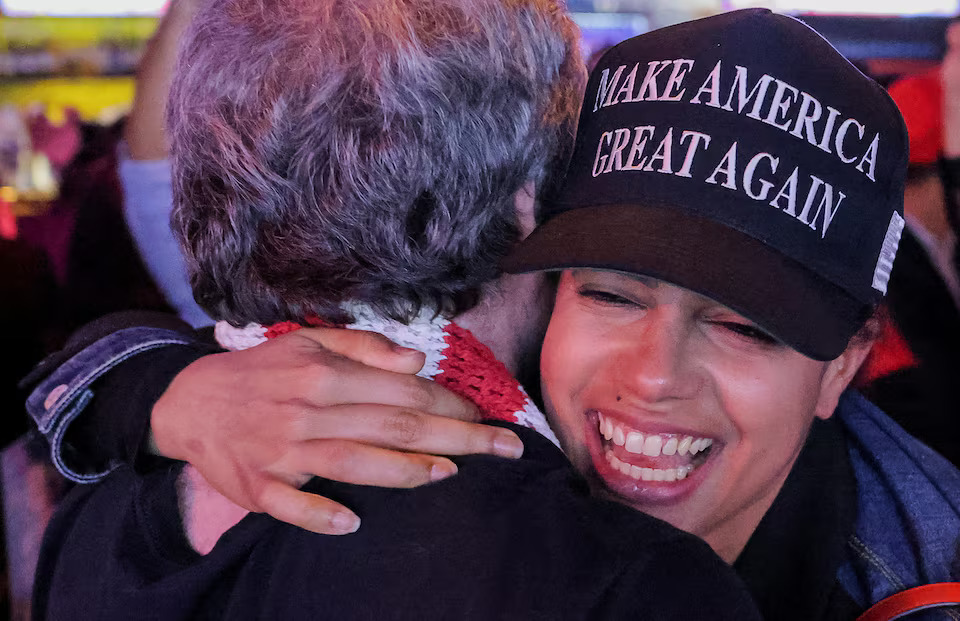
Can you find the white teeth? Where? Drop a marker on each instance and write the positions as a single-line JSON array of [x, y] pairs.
[[670, 448], [618, 437], [634, 442], [668, 475], [700, 444], [606, 428], [652, 446]]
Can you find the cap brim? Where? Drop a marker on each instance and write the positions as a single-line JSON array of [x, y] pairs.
[[809, 314]]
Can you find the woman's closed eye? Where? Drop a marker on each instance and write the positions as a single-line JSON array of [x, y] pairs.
[[749, 331], [606, 298]]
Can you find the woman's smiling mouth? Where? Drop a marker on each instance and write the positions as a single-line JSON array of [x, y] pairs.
[[649, 459]]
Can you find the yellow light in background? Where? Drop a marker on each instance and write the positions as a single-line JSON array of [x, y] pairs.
[[101, 99], [74, 31], [8, 194], [96, 99]]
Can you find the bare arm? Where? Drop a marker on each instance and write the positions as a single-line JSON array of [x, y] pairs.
[[144, 131], [950, 75], [950, 164]]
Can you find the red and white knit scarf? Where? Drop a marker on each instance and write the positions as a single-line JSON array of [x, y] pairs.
[[456, 360]]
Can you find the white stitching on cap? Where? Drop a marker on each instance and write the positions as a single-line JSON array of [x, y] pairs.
[[888, 252]]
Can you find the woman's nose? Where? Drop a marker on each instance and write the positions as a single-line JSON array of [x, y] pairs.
[[655, 363]]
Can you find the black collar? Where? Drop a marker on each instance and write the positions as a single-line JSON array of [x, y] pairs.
[[790, 563]]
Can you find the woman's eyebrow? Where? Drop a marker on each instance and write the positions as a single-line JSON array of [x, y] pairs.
[[647, 281]]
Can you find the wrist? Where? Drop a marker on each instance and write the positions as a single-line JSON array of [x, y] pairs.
[[160, 436]]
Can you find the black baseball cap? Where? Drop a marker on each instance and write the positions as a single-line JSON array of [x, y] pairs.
[[742, 157]]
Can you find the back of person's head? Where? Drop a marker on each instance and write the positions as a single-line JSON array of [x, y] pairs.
[[363, 150]]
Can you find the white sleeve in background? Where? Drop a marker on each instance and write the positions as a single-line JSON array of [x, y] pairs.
[[148, 201]]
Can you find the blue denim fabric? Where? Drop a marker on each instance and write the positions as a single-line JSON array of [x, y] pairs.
[[62, 396], [908, 522]]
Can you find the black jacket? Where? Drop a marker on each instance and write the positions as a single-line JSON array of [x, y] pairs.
[[503, 539]]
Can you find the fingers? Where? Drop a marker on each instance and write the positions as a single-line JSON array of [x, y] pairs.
[[308, 511], [369, 368], [369, 348], [347, 462], [342, 381], [351, 462], [407, 430]]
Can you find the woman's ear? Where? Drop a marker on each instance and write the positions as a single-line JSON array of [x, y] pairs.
[[841, 370]]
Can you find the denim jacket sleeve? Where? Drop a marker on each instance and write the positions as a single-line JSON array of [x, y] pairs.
[[60, 397]]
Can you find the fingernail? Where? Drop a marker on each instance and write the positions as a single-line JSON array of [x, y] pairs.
[[345, 522], [507, 444], [400, 349], [442, 470]]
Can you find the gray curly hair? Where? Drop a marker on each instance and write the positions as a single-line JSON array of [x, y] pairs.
[[368, 150]]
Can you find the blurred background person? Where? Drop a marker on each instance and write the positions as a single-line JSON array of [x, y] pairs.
[[145, 171], [913, 371]]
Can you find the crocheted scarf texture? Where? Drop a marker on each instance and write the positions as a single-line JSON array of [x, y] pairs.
[[456, 359]]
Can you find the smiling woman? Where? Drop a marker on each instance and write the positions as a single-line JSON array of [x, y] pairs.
[[697, 361], [679, 406]]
